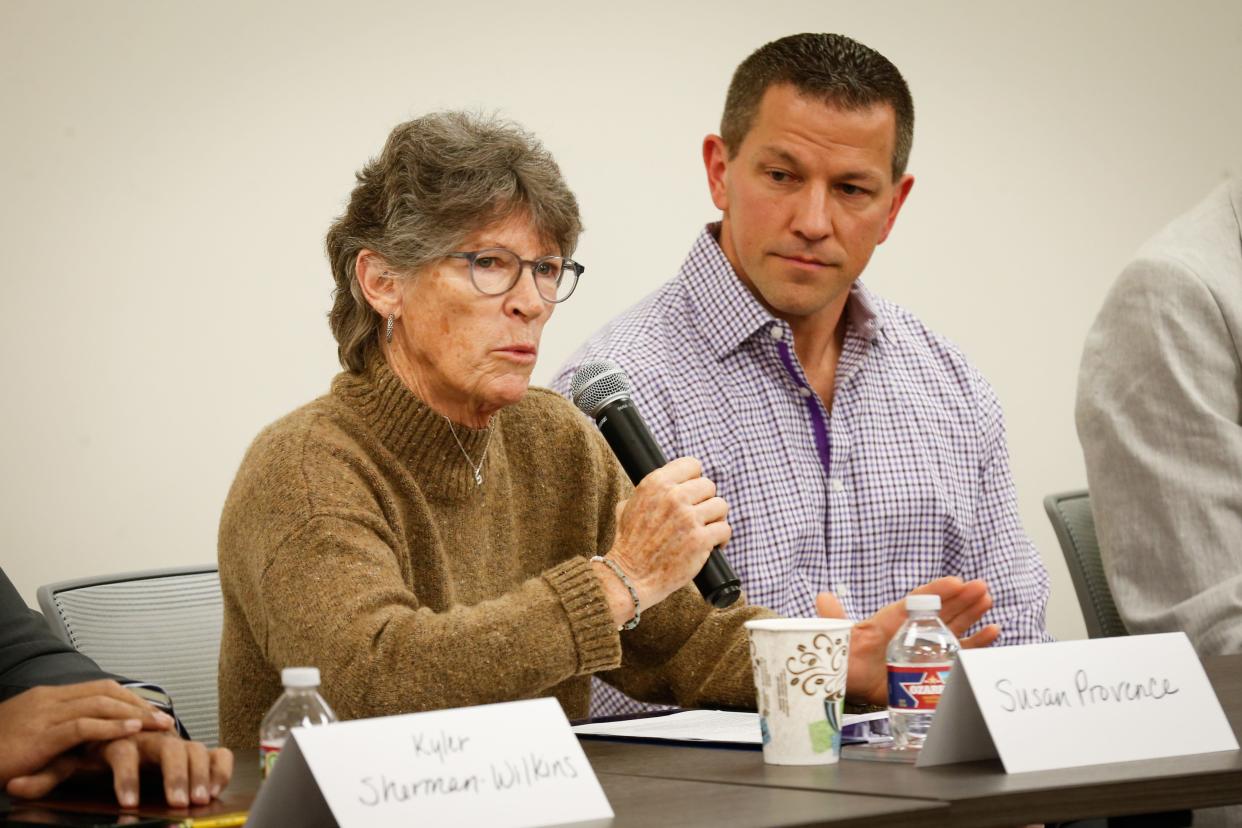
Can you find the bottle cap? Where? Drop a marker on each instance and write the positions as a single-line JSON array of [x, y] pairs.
[[300, 677], [922, 603]]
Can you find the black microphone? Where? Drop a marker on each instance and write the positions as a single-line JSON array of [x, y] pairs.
[[602, 390]]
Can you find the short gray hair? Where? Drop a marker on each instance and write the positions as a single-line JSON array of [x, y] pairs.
[[438, 179]]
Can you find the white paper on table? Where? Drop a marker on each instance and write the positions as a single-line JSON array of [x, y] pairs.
[[724, 727]]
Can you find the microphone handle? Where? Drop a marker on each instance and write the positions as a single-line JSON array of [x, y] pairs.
[[716, 581], [632, 443]]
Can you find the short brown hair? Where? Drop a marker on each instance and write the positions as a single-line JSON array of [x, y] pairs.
[[438, 179], [832, 67]]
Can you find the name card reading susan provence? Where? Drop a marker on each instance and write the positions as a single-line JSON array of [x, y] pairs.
[[504, 765], [1073, 703]]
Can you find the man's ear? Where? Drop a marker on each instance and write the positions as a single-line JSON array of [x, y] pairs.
[[716, 164], [379, 283], [899, 198]]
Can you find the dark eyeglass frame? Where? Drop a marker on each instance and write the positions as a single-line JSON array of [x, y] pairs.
[[567, 265]]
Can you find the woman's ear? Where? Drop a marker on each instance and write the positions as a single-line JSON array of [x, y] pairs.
[[379, 283]]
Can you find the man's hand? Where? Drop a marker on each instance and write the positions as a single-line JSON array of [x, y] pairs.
[[192, 773], [42, 723], [962, 605]]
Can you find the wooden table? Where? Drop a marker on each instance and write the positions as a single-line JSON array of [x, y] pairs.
[[662, 785], [977, 793], [638, 801]]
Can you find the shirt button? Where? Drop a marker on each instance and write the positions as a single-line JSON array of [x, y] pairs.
[[836, 484], [842, 589], [775, 332], [803, 391]]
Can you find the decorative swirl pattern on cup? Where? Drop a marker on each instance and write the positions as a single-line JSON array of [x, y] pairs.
[[819, 668]]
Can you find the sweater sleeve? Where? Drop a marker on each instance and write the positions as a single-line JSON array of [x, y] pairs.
[[383, 652], [684, 651], [687, 653]]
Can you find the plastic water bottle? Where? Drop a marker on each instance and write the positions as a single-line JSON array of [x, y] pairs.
[[920, 657], [299, 706]]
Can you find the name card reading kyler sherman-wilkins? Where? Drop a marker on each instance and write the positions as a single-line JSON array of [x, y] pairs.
[[502, 765], [1074, 703]]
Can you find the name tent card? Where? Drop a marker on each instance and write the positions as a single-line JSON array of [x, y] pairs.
[[503, 765], [1075, 703]]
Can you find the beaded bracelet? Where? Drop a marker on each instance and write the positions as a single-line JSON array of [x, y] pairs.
[[633, 622]]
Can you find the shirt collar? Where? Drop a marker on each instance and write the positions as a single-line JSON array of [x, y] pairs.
[[864, 314], [1235, 196], [727, 312]]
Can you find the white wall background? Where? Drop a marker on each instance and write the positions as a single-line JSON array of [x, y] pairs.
[[169, 169]]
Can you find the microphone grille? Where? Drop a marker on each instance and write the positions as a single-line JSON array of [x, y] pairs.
[[598, 382]]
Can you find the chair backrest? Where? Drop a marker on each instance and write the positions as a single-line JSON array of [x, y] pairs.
[[1070, 513], [161, 626]]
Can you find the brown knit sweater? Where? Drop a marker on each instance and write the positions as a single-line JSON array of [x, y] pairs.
[[354, 539]]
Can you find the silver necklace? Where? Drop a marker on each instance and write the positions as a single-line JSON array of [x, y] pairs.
[[477, 468]]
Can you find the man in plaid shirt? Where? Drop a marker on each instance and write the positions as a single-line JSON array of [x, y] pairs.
[[861, 454]]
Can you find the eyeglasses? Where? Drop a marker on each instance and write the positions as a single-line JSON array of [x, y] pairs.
[[496, 270]]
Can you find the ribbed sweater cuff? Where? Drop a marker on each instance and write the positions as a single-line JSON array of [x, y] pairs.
[[582, 597]]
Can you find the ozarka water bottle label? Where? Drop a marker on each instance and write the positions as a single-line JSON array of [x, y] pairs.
[[269, 752], [916, 686]]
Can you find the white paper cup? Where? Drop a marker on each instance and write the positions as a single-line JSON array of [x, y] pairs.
[[800, 666]]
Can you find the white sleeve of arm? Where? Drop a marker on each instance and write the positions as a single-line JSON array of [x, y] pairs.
[[1158, 416]]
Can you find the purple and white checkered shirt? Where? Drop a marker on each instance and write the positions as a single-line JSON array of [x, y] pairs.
[[907, 480]]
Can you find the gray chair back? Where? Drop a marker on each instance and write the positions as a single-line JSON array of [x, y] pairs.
[[161, 626], [1070, 513]]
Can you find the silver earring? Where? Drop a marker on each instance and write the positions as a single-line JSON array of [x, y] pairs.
[[392, 317]]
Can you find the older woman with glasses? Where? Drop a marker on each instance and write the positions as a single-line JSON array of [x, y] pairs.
[[432, 532]]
